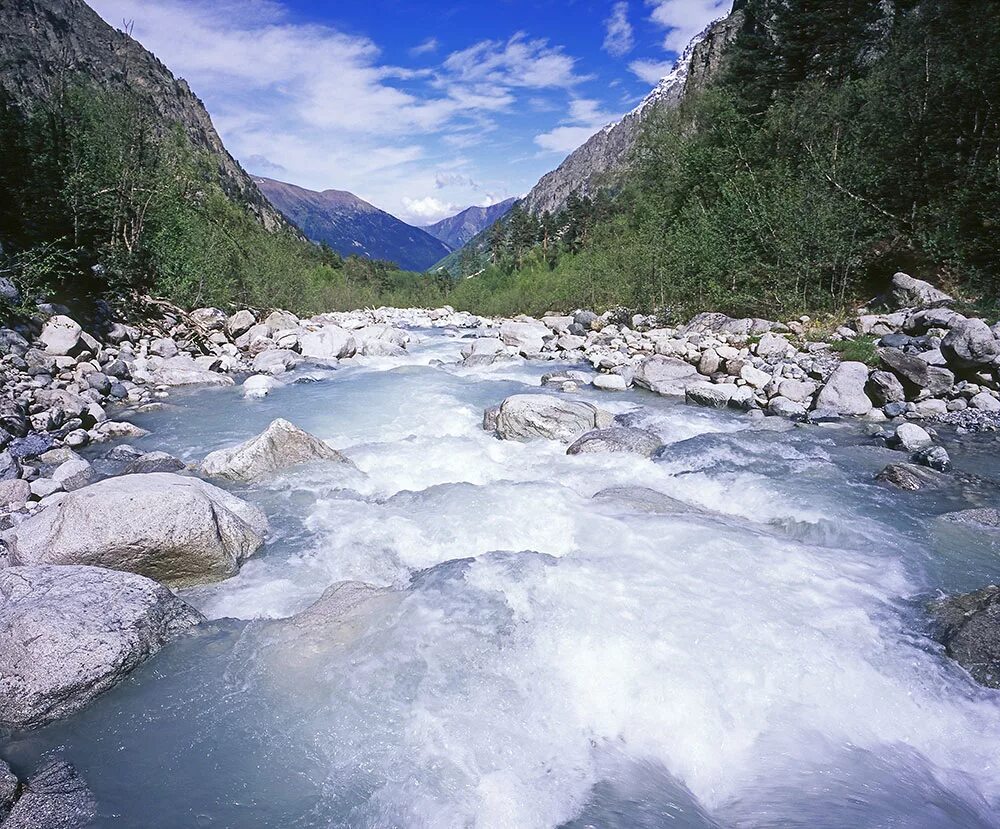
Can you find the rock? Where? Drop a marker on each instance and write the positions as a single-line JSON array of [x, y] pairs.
[[76, 439], [585, 319], [61, 335], [209, 319], [490, 417], [279, 320], [116, 430], [970, 632], [14, 494], [930, 408], [31, 445], [10, 467], [182, 370], [933, 457], [73, 474], [783, 407], [981, 518], [239, 323], [844, 391], [884, 387], [68, 634], [970, 344], [617, 439], [610, 382], [55, 797], [11, 296], [798, 391], [118, 369], [558, 324], [276, 361], [985, 401], [754, 376], [526, 337], [529, 416], [43, 487], [259, 385], [909, 477], [164, 347], [8, 790], [666, 375], [923, 321], [174, 529], [917, 374], [644, 499], [329, 343], [910, 437], [715, 395], [153, 462], [771, 345], [380, 341], [907, 292], [709, 362], [279, 447], [896, 409], [570, 342]]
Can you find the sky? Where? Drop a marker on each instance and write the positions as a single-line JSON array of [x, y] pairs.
[[421, 108]]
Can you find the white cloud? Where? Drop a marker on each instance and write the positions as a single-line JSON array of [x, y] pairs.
[[428, 46], [683, 19], [518, 62], [585, 117], [618, 35], [650, 71], [428, 210]]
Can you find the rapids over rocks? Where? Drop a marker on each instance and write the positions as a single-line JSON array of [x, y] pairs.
[[753, 653]]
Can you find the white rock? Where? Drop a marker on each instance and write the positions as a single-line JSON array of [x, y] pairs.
[[525, 417], [912, 437], [610, 382], [259, 386], [61, 335], [844, 391], [328, 343]]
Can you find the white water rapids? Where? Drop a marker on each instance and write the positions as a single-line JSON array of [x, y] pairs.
[[553, 660]]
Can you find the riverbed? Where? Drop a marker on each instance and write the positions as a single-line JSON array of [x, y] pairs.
[[758, 656]]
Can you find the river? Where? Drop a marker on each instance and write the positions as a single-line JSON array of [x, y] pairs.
[[759, 659]]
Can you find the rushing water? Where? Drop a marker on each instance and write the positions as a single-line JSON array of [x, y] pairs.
[[760, 660]]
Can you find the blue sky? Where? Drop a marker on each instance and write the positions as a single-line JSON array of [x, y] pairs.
[[422, 108]]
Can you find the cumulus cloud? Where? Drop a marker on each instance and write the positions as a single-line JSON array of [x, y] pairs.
[[428, 210], [618, 35], [683, 19], [584, 118]]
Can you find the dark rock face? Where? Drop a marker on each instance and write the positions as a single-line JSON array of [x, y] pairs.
[[350, 225], [43, 40], [915, 373], [69, 633], [970, 632], [456, 230], [55, 797]]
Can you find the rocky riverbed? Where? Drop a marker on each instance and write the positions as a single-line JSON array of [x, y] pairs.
[[421, 568]]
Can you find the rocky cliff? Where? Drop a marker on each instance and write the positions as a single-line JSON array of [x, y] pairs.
[[606, 154], [456, 230], [351, 225], [46, 45]]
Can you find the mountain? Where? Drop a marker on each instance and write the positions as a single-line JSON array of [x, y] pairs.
[[46, 43], [350, 225], [605, 155], [456, 230]]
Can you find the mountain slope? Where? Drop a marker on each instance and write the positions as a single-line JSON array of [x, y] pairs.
[[456, 230], [47, 44], [350, 225], [606, 154]]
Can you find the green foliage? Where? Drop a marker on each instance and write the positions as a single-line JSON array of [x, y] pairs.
[[859, 350]]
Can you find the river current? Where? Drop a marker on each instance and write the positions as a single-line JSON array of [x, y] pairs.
[[760, 658]]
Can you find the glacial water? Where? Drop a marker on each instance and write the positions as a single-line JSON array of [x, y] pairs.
[[554, 660]]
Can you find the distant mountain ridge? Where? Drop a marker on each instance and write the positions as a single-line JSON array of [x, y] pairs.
[[456, 230], [351, 225], [605, 155], [46, 44]]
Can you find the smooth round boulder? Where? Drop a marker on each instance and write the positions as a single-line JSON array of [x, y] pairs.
[[617, 439], [525, 417], [328, 343], [279, 447], [844, 392], [69, 633], [175, 529]]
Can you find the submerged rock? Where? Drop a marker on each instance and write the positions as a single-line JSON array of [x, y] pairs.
[[175, 529], [55, 797], [617, 439], [529, 416], [280, 446], [970, 632], [910, 477], [69, 633], [644, 499]]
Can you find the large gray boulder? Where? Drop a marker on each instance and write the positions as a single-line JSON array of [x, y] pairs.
[[276, 361], [171, 528], [915, 373], [844, 391], [61, 335], [68, 634], [55, 797], [666, 375], [970, 344], [907, 292], [529, 416], [910, 477], [328, 343], [182, 370], [280, 446], [617, 439], [526, 337], [713, 395], [970, 632], [239, 323]]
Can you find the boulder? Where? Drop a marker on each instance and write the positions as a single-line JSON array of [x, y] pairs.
[[970, 632], [526, 337], [910, 477], [182, 370], [771, 345], [239, 323], [910, 437], [14, 494], [844, 391], [917, 374], [907, 292], [153, 462], [328, 343], [980, 518], [798, 391], [617, 439], [73, 474], [174, 529], [61, 335], [884, 387], [666, 375], [923, 321], [68, 634], [209, 319], [279, 447], [279, 320], [528, 416], [754, 376], [644, 499], [259, 385], [984, 401], [55, 797], [8, 790], [715, 395], [164, 347], [610, 382], [933, 457], [276, 361], [970, 344], [783, 407]]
